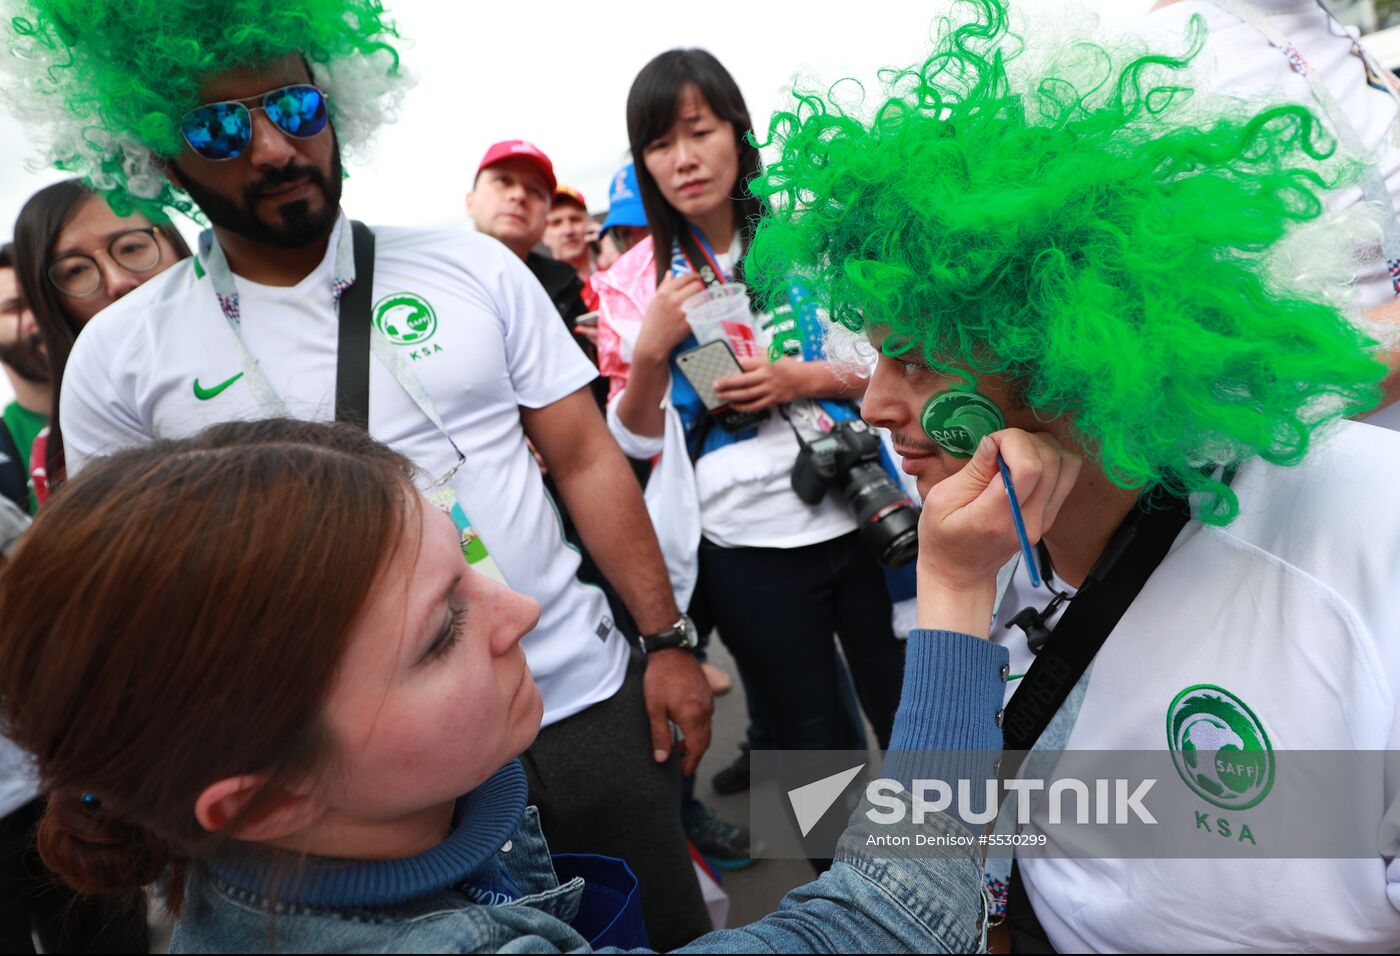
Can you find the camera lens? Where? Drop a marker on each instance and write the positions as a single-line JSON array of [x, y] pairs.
[[889, 525]]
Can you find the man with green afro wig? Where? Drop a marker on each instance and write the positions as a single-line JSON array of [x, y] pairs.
[[440, 342], [1075, 271], [103, 86]]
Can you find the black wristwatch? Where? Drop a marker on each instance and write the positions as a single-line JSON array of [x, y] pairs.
[[680, 634]]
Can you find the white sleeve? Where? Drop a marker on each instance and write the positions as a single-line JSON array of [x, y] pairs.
[[19, 781], [13, 522], [96, 419], [543, 356], [634, 445], [18, 784], [1390, 826]]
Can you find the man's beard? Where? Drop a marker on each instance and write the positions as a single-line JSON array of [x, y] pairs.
[[26, 359], [298, 226]]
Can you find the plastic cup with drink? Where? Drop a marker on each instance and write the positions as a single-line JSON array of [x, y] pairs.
[[722, 312]]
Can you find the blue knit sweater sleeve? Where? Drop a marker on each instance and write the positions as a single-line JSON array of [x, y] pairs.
[[876, 900], [952, 697]]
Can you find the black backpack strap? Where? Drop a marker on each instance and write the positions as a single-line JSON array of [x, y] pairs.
[[352, 355]]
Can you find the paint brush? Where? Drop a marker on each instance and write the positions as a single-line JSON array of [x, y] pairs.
[[1031, 564]]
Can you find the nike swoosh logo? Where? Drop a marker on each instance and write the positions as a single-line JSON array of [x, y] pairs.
[[204, 394]]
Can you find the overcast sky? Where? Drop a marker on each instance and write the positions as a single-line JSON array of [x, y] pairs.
[[558, 75]]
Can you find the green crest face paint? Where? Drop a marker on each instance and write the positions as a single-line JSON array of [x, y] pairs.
[[958, 421]]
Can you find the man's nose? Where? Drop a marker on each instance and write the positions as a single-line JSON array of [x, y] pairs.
[[270, 148], [28, 325], [883, 405]]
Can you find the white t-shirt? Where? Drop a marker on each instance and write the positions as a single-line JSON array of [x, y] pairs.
[[745, 489], [495, 344], [1293, 609], [1238, 61]]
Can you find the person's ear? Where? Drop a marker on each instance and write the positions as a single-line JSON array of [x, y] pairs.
[[469, 201], [280, 814]]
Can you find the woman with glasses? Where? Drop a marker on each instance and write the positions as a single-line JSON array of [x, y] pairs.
[[75, 257]]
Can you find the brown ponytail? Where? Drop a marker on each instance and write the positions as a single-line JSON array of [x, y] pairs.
[[96, 852], [177, 616]]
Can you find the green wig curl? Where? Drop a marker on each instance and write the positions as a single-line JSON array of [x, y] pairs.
[[103, 83], [1077, 232]]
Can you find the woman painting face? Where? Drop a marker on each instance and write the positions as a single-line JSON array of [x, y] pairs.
[[98, 257], [432, 697], [434, 694], [696, 162]]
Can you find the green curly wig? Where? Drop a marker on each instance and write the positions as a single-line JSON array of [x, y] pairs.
[[1086, 238], [103, 83]]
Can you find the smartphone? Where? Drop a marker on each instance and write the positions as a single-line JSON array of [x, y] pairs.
[[707, 364], [588, 318]]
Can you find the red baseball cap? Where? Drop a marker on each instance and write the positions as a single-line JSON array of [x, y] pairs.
[[570, 194], [520, 149]]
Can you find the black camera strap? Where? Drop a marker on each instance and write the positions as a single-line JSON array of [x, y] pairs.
[[1133, 553], [352, 353], [801, 442]]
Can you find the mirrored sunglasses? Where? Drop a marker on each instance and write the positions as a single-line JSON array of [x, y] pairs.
[[220, 131]]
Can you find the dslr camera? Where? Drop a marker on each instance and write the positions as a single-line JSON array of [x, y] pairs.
[[848, 459]]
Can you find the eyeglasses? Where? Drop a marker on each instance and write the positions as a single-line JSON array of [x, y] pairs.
[[220, 131], [135, 250]]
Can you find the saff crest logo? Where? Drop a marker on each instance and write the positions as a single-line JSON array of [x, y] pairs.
[[405, 318], [1219, 747], [958, 421]]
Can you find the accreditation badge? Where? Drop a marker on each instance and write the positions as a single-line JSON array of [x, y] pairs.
[[444, 498]]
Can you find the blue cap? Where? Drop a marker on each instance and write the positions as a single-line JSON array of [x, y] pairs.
[[624, 201]]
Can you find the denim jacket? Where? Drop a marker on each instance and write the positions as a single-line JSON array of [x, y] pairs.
[[864, 903], [861, 904]]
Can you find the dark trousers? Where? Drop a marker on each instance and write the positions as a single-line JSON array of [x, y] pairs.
[[598, 790], [776, 608], [33, 900]]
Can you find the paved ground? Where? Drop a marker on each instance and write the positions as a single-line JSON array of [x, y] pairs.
[[753, 892]]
